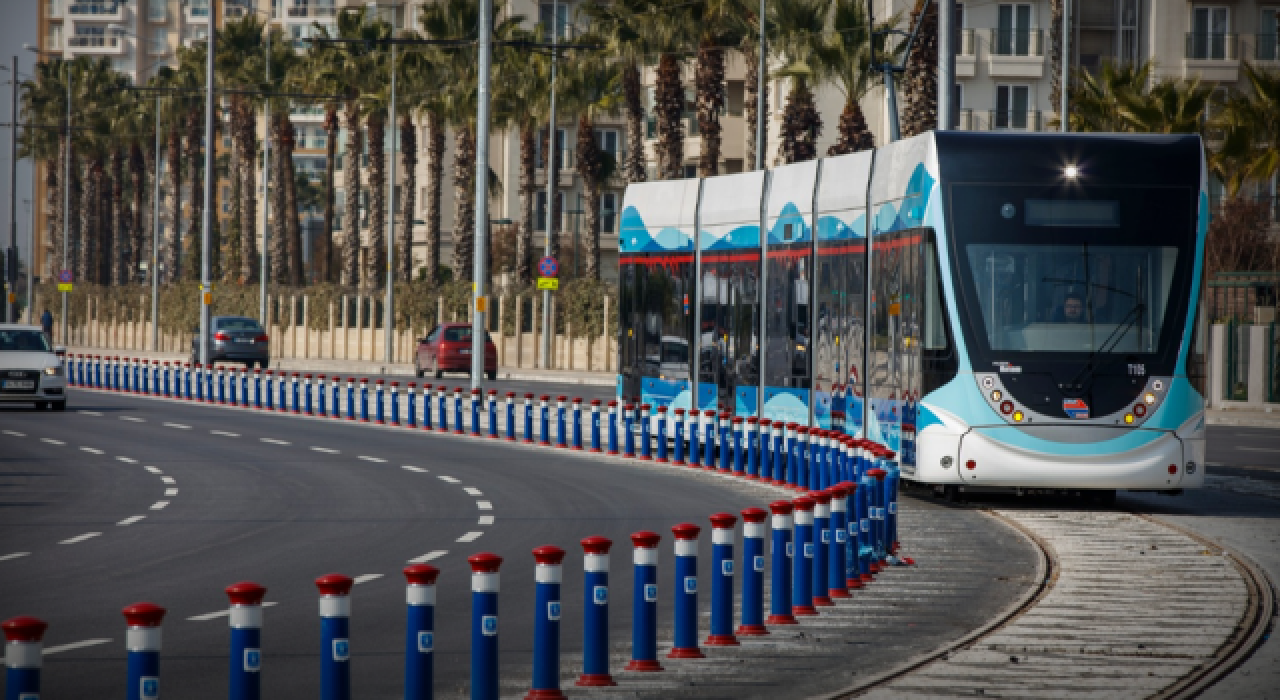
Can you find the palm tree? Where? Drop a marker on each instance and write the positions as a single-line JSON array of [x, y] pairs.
[[44, 102], [920, 101], [669, 32], [847, 56], [315, 76], [240, 62], [718, 24], [1250, 127], [801, 25], [523, 96], [1169, 107], [1055, 53], [615, 23], [751, 102], [1096, 99], [589, 87]]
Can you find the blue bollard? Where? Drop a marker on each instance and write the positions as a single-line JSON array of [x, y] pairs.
[[442, 406], [724, 442], [613, 428], [395, 404], [878, 543], [852, 576], [595, 426], [789, 448], [753, 448], [364, 400], [722, 563], [686, 593], [595, 613], [836, 568], [484, 625], [709, 439], [695, 430], [662, 435], [817, 460], [335, 643], [739, 439], [284, 387], [753, 530], [475, 412], [628, 433], [803, 438], [257, 389], [865, 486], [197, 378], [351, 396], [244, 387], [142, 641], [322, 391], [308, 403], [891, 481], [802, 559], [644, 602], [544, 421], [23, 657], [527, 412], [562, 437], [271, 390], [491, 400], [97, 371], [821, 546], [459, 428], [646, 444], [411, 404], [420, 632], [221, 379], [188, 391], [131, 375], [677, 437], [575, 423], [511, 416], [546, 622], [379, 402], [426, 406], [246, 640]]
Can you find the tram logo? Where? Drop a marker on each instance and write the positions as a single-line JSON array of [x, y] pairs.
[[1075, 408]]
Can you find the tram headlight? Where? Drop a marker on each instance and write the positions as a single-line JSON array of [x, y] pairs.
[[1149, 398], [1017, 416], [1128, 418], [1071, 172], [996, 395]]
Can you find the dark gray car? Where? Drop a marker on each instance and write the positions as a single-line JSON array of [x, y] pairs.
[[235, 339]]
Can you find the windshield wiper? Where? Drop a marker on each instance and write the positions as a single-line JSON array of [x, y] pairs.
[[1129, 321]]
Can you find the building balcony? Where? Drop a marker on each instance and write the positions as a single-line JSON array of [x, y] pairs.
[[966, 53], [95, 45], [1002, 120], [1265, 49], [196, 14], [1213, 57], [1016, 53], [96, 10], [307, 13]]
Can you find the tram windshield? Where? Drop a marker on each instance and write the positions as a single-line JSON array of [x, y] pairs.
[[1072, 298]]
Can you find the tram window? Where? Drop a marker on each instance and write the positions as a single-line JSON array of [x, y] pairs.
[[935, 331]]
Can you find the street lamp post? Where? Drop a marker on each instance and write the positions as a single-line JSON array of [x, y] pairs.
[[31, 256], [206, 224], [155, 238], [11, 260], [479, 267], [389, 316], [550, 169], [266, 199]]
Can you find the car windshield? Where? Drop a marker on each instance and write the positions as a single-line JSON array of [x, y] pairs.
[[237, 324], [459, 334], [23, 341], [675, 353]]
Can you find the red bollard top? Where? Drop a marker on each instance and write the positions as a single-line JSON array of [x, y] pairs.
[[709, 413], [645, 407], [737, 420], [511, 394], [877, 473], [493, 392], [679, 411], [595, 544], [820, 497], [528, 396], [306, 376], [544, 397], [144, 615], [838, 491], [752, 420], [596, 402], [645, 539], [802, 430], [395, 384], [412, 385], [792, 426], [421, 574], [850, 487], [547, 555], [334, 584], [629, 407], [577, 399], [765, 422], [255, 371], [780, 507], [562, 399], [755, 515], [662, 409], [613, 403], [379, 382], [803, 503], [890, 454], [426, 387], [686, 531], [246, 593], [322, 377], [724, 415], [485, 563], [24, 628], [724, 521], [295, 375], [475, 391]]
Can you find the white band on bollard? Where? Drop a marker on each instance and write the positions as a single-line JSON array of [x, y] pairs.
[[838, 505], [721, 536], [754, 529], [246, 616], [821, 510], [782, 522], [686, 548], [416, 594], [335, 606], [484, 582], [804, 517], [142, 639], [644, 556], [596, 563], [545, 573], [23, 654]]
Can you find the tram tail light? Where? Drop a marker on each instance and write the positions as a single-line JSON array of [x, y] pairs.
[[1140, 409], [1173, 469], [1006, 407], [970, 464]]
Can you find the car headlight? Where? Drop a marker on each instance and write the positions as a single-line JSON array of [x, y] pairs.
[[53, 371]]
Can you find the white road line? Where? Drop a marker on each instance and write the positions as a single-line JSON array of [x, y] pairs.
[[413, 469], [223, 433], [448, 479], [15, 555], [168, 480], [90, 413], [171, 492], [428, 557], [471, 536], [154, 470], [222, 613], [372, 459], [1257, 449], [486, 520], [127, 460], [133, 419], [80, 538], [274, 441], [131, 520], [91, 450], [159, 505], [365, 578], [473, 491], [14, 433], [179, 426], [326, 450], [51, 441], [484, 505], [73, 646]]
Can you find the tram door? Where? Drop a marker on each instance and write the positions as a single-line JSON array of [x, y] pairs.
[[788, 287]]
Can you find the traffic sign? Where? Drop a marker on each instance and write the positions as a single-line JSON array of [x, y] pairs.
[[64, 287], [550, 283], [548, 267], [64, 276]]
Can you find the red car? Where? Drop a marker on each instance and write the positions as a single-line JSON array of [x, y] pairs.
[[447, 348]]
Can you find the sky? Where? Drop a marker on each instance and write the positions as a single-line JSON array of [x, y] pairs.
[[18, 26]]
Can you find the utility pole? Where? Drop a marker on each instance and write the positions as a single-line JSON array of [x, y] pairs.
[[480, 269], [66, 199], [1066, 65], [31, 256], [266, 199], [155, 238], [552, 176], [389, 317], [11, 260], [206, 224], [946, 65], [761, 85]]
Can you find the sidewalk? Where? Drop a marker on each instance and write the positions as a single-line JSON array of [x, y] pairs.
[[1244, 418]]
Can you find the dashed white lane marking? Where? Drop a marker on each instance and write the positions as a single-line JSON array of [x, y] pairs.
[[179, 426], [486, 520], [171, 492], [159, 505], [273, 441], [51, 441], [90, 413], [15, 555], [131, 520], [168, 480], [413, 469], [222, 613], [473, 491], [428, 557], [326, 450], [73, 646], [471, 536], [448, 479], [91, 450], [1257, 449], [15, 433], [154, 470], [127, 460], [133, 419], [223, 433], [80, 538], [484, 505], [365, 578], [372, 459]]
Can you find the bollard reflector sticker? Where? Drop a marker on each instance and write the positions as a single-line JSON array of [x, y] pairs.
[[826, 536], [791, 549], [841, 536], [690, 584], [426, 642], [758, 563], [149, 688], [489, 625], [866, 525], [341, 650], [252, 660], [808, 550], [726, 567], [651, 593], [553, 610], [853, 528], [893, 508], [600, 594]]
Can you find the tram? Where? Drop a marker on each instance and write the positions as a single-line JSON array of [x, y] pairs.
[[1004, 310]]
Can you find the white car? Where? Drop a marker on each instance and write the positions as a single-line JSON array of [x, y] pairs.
[[31, 369]]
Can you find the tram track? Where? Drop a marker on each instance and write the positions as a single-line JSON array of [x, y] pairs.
[[1036, 641]]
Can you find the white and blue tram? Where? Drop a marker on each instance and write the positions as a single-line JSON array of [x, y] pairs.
[[1003, 310]]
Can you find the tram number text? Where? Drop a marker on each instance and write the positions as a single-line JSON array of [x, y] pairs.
[[1137, 370]]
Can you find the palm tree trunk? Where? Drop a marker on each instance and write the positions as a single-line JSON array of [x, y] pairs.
[[408, 199], [140, 224], [374, 262], [195, 176], [528, 183], [751, 83], [554, 215], [324, 246], [920, 111], [53, 205], [106, 224], [853, 134], [631, 92], [435, 184], [351, 183], [118, 263], [801, 125], [247, 146], [231, 263], [669, 109], [590, 170], [709, 81], [464, 196], [88, 222], [293, 227], [279, 204], [1055, 54], [173, 243]]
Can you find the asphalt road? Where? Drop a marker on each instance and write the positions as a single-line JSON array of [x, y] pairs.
[[1244, 452]]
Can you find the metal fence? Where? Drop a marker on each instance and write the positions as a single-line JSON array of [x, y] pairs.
[[1232, 296]]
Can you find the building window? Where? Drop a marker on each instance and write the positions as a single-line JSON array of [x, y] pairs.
[[607, 141], [157, 11], [561, 155], [690, 171], [1209, 27], [1127, 40], [562, 19], [958, 25], [609, 212], [1013, 33], [1012, 103], [53, 9], [540, 210], [54, 40], [199, 8], [1268, 30], [159, 43]]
